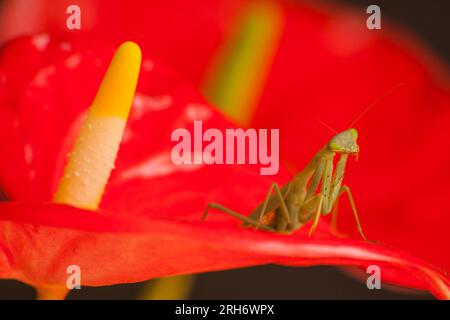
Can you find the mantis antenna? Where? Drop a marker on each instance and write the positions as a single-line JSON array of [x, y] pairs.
[[363, 113], [325, 125]]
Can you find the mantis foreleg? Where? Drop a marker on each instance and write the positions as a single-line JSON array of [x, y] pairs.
[[336, 189], [331, 185], [315, 180], [316, 216], [313, 204], [325, 170], [331, 190]]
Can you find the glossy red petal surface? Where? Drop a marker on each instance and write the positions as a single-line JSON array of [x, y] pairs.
[[163, 28], [115, 248]]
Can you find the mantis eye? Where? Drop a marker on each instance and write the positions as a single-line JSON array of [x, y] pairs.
[[354, 133], [334, 146]]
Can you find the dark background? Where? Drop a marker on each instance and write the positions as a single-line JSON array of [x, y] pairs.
[[429, 20]]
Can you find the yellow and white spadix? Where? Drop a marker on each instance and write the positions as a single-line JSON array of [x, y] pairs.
[[93, 155]]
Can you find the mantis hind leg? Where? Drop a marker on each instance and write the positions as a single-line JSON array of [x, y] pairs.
[[346, 189], [234, 214], [283, 208]]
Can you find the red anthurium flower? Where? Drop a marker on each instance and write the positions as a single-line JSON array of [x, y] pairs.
[[164, 28], [46, 87], [148, 223]]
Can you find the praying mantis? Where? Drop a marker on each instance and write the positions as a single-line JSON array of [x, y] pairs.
[[301, 200], [298, 202]]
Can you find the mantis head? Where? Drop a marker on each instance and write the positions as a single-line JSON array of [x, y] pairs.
[[345, 142]]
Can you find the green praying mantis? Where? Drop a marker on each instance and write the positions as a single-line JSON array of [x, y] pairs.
[[301, 200], [298, 202]]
